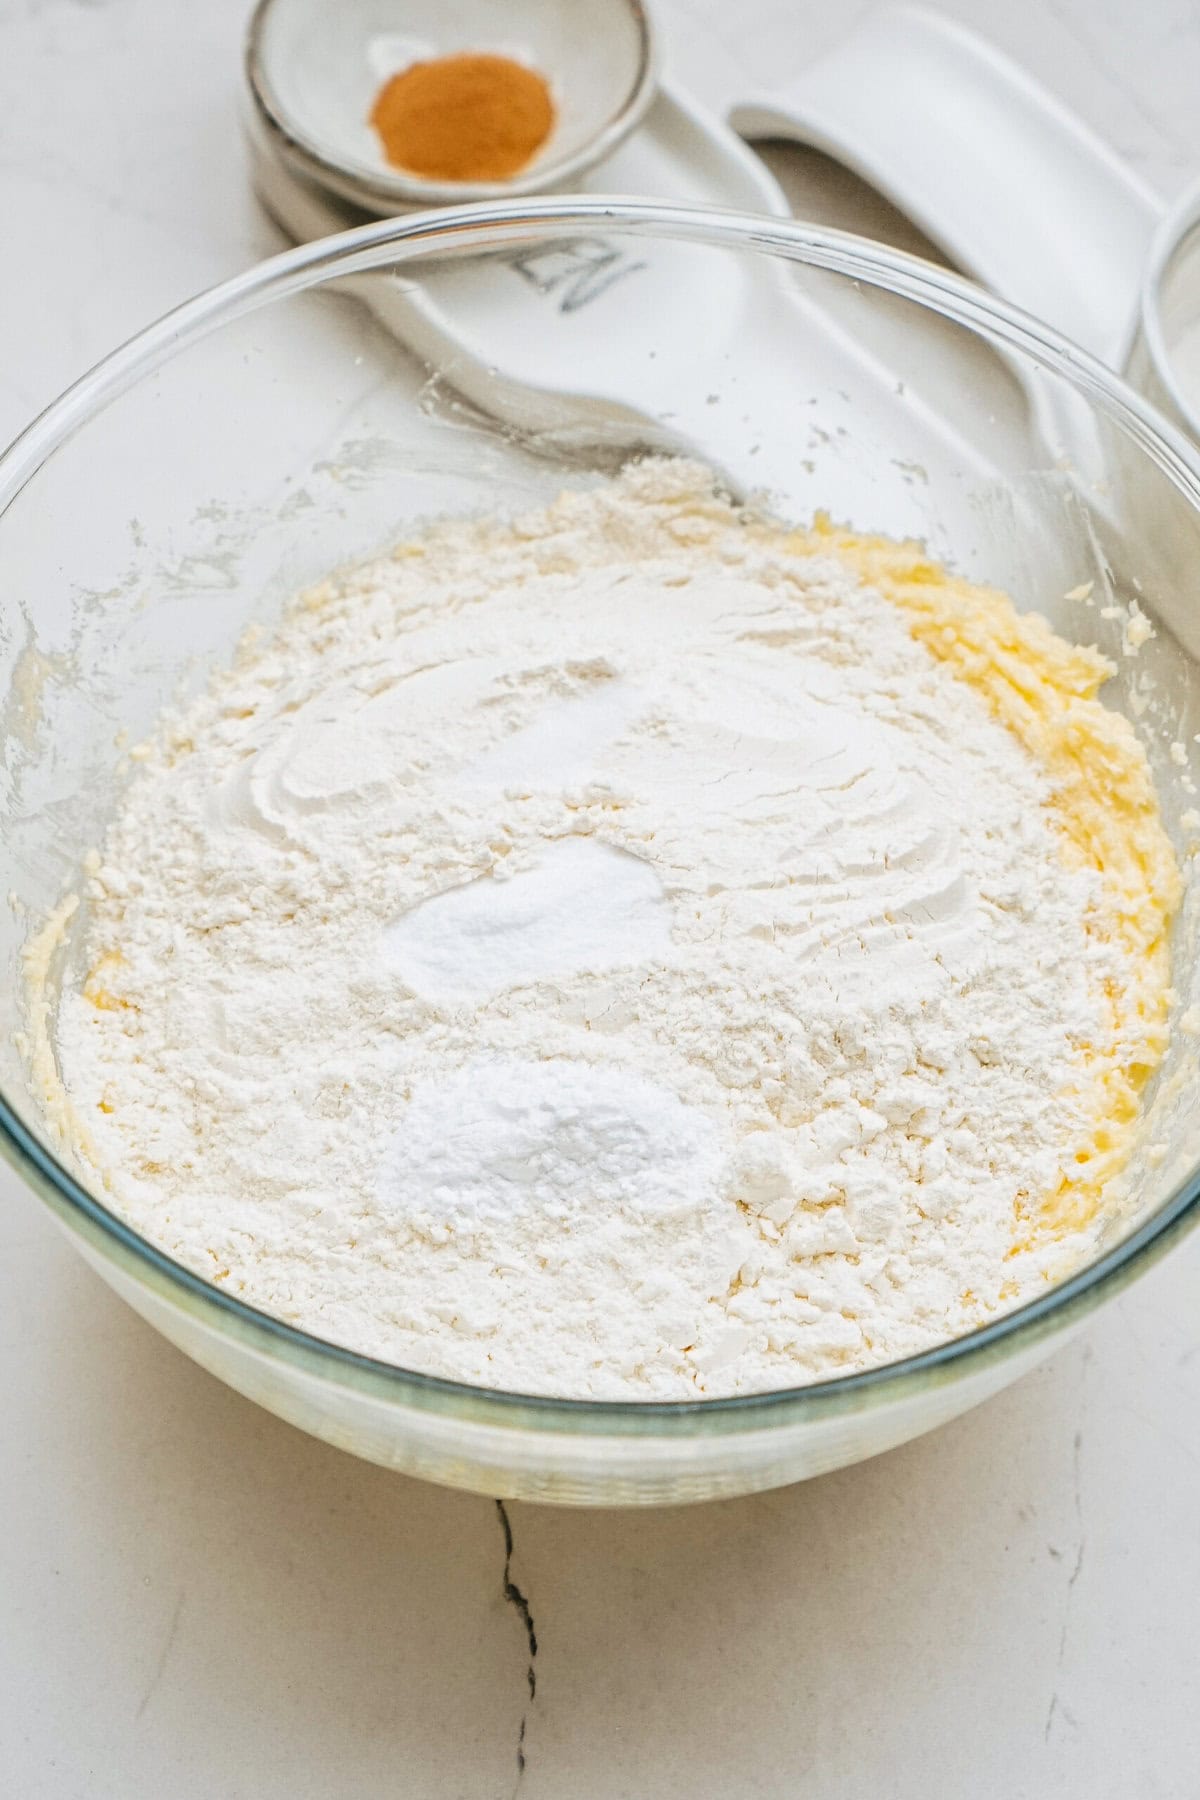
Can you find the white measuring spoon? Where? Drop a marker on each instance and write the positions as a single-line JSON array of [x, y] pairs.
[[650, 343]]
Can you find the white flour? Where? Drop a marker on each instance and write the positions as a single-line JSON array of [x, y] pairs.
[[598, 956]]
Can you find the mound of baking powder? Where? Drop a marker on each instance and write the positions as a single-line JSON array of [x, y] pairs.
[[602, 954]]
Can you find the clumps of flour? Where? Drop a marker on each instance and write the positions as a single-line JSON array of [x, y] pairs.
[[602, 955]]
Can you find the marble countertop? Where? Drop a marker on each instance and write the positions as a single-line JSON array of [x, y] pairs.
[[201, 1603]]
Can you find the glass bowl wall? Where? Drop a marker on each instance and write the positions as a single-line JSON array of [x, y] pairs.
[[278, 426]]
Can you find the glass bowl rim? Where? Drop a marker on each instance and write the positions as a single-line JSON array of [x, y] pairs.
[[489, 225]]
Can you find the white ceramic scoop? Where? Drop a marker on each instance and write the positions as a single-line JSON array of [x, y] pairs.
[[665, 345]]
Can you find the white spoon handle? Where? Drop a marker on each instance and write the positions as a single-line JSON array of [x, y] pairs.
[[994, 169]]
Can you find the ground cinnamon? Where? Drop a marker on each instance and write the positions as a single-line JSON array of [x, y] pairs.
[[471, 117]]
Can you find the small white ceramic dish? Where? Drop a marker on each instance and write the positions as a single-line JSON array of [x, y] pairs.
[[314, 70]]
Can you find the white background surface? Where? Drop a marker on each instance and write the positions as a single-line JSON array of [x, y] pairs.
[[198, 1603]]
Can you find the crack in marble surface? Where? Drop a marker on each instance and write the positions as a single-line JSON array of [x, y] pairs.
[[164, 1655], [1056, 1705], [515, 1598]]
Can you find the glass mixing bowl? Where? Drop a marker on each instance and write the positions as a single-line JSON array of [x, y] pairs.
[[276, 427]]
